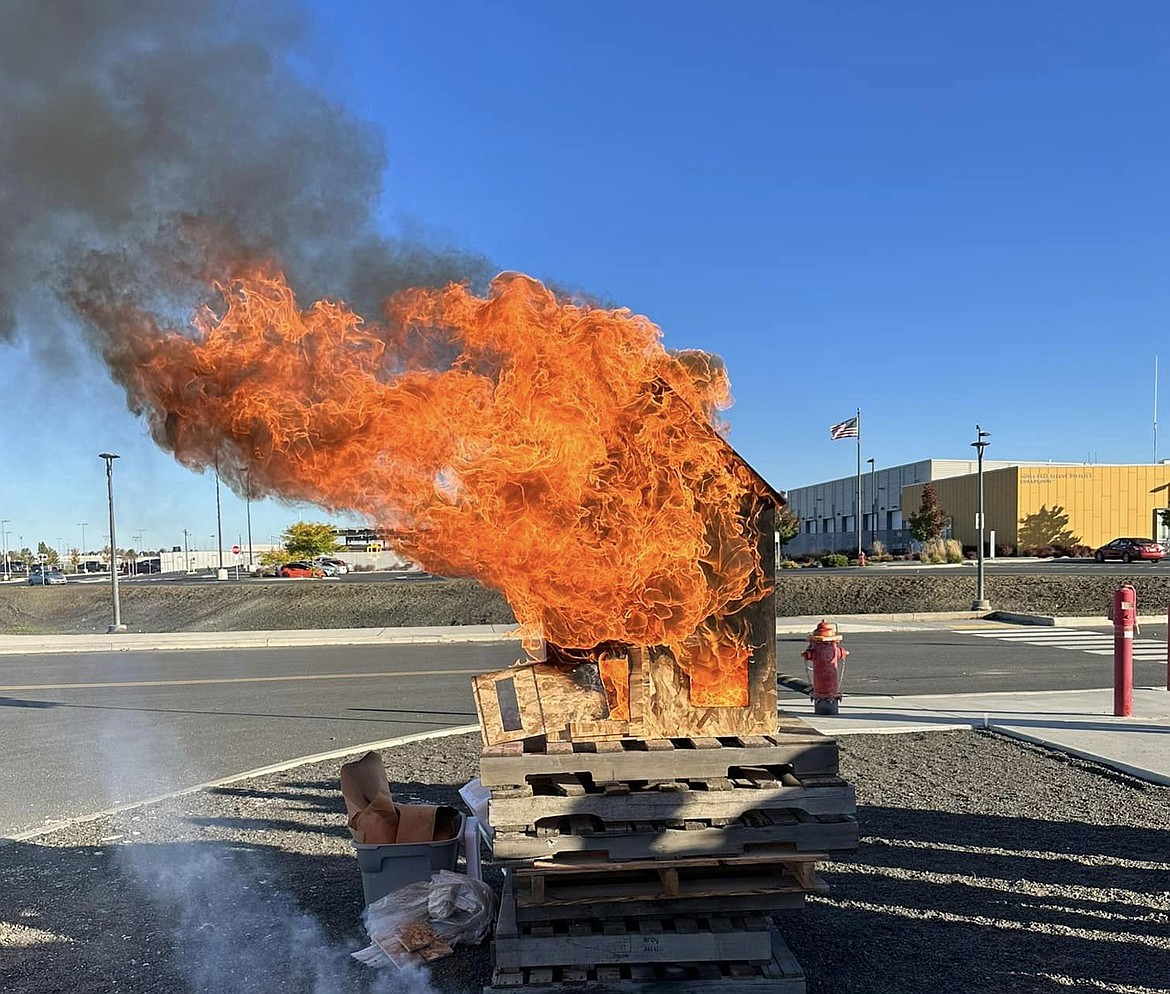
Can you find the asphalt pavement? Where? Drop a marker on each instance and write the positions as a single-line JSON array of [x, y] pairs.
[[87, 731]]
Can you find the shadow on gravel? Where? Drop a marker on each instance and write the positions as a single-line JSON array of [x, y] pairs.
[[323, 798], [935, 900], [168, 918]]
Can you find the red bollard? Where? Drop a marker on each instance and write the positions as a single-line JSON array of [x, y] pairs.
[[1124, 615]]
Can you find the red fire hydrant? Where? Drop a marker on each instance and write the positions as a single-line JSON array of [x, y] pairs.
[[825, 662]]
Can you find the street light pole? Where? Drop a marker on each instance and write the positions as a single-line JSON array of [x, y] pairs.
[[117, 626], [4, 541], [981, 602], [83, 524], [248, 511], [221, 574], [186, 554]]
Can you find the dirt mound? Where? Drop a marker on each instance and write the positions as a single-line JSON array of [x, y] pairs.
[[259, 606], [888, 592], [251, 606]]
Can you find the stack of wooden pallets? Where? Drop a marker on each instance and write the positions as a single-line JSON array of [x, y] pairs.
[[637, 865]]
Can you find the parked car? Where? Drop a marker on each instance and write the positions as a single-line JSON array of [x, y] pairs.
[[340, 565], [326, 567], [45, 577], [299, 569], [1129, 549]]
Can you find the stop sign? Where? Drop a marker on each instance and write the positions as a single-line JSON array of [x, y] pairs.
[[235, 550]]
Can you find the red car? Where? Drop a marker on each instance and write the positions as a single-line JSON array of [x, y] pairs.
[[299, 569], [1129, 549]]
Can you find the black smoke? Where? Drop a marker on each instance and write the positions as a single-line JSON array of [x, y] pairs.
[[138, 138]]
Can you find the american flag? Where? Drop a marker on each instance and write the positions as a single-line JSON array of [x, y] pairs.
[[846, 429]]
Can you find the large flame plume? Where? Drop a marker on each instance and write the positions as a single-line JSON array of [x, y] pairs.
[[555, 451]]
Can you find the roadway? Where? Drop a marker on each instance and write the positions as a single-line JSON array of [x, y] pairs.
[[1009, 567], [205, 576], [86, 731]]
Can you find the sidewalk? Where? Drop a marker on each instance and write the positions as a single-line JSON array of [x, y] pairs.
[[1079, 722], [155, 641]]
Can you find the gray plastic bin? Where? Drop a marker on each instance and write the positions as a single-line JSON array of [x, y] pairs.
[[386, 868]]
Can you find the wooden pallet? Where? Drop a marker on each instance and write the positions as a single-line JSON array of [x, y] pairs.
[[665, 879], [757, 833], [780, 974], [796, 748], [712, 800], [693, 907], [666, 939]]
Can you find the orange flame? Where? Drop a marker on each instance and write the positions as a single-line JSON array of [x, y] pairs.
[[556, 452]]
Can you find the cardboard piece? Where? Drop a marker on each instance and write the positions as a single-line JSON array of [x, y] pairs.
[[375, 819]]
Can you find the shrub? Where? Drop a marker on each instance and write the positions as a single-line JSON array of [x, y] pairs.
[[788, 564], [1075, 551], [952, 551], [970, 552], [834, 559], [1039, 551], [878, 550], [937, 550], [1004, 551]]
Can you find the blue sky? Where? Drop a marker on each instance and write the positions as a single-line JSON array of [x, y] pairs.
[[939, 214]]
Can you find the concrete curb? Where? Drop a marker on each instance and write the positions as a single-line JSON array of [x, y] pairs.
[[163, 641], [1071, 621], [438, 635], [260, 771], [1137, 772]]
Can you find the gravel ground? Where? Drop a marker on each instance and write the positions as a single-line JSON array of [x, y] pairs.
[[290, 605], [300, 605], [986, 864], [808, 591]]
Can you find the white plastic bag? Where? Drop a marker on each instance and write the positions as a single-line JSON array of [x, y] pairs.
[[458, 909]]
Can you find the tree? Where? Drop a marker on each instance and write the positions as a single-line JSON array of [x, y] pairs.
[[787, 526], [306, 539], [49, 554], [929, 521]]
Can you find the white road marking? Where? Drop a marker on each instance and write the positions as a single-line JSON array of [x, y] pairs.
[[1076, 640], [261, 771]]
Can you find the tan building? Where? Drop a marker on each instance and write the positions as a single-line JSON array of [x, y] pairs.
[[1026, 505]]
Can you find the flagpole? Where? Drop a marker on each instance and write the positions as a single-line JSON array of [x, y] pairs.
[[857, 517]]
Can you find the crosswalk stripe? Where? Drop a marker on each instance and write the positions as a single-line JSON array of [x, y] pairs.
[[1047, 633], [1137, 653], [1078, 640]]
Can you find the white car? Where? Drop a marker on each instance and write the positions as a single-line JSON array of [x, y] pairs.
[[331, 566]]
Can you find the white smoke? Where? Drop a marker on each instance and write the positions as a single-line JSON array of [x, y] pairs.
[[234, 930]]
